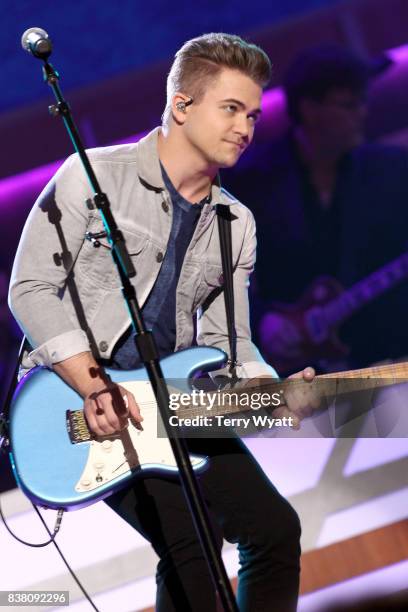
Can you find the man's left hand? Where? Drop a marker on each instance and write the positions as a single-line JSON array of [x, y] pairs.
[[301, 400]]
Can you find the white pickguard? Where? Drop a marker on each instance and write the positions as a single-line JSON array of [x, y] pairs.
[[132, 448]]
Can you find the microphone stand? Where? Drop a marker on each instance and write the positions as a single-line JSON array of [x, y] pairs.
[[145, 344]]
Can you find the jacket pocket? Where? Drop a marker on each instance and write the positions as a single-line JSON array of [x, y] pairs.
[[96, 264], [213, 275]]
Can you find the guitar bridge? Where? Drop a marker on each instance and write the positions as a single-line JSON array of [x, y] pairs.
[[77, 427]]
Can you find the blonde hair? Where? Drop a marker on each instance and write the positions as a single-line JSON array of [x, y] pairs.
[[200, 59]]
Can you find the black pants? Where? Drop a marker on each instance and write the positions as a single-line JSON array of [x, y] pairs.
[[244, 507]]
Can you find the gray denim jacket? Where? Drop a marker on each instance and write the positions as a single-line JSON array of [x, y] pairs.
[[66, 295]]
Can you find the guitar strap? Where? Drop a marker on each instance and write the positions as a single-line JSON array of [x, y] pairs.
[[224, 230]]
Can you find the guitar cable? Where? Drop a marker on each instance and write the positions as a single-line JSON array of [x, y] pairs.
[[4, 442], [69, 568], [57, 526], [32, 544]]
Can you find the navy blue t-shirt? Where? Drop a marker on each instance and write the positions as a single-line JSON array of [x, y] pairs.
[[159, 310]]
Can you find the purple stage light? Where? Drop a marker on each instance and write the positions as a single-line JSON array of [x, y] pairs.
[[27, 185], [399, 54], [24, 185]]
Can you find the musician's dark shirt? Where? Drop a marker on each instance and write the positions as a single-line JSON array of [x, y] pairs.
[[159, 311], [321, 224]]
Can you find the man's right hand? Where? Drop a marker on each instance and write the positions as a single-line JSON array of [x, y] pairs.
[[107, 406], [108, 409]]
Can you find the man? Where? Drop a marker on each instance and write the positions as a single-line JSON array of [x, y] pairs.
[[327, 204], [163, 192]]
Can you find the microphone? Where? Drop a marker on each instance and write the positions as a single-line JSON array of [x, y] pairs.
[[36, 42]]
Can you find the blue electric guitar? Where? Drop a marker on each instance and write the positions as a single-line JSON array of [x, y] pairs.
[[56, 461], [59, 464]]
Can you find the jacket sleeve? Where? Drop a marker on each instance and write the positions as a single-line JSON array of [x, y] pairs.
[[212, 321], [49, 245]]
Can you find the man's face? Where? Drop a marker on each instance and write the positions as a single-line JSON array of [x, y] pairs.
[[221, 125], [339, 119]]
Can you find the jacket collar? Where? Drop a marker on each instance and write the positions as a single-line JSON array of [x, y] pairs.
[[150, 171]]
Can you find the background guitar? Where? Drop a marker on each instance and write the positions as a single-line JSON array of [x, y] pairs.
[[317, 316]]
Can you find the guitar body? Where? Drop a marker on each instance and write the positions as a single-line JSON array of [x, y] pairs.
[[55, 462], [319, 340]]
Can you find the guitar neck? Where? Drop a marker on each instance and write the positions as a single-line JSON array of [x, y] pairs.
[[224, 403], [391, 373], [372, 378], [366, 290]]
